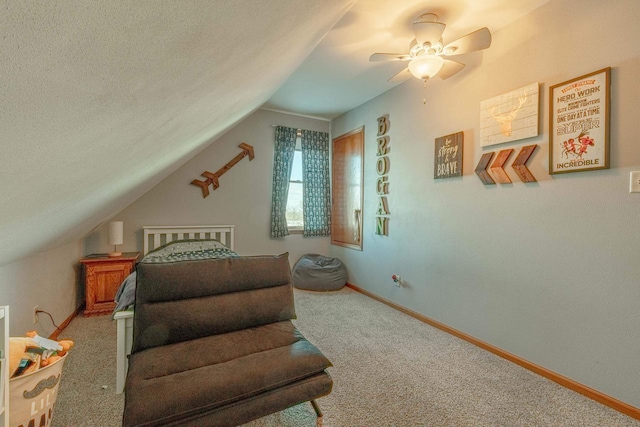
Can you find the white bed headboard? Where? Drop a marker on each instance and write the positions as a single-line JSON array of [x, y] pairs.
[[158, 235]]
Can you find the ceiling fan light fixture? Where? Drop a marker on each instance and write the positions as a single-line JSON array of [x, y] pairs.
[[427, 49], [426, 66]]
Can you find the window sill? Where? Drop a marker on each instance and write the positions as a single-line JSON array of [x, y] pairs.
[[297, 230]]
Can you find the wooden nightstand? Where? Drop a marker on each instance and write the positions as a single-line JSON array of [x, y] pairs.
[[102, 278]]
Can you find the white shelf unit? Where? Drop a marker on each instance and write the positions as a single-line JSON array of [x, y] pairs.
[[4, 366]]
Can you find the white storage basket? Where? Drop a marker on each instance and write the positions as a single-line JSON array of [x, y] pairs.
[[33, 395]]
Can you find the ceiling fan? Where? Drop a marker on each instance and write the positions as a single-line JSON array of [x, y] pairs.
[[428, 55]]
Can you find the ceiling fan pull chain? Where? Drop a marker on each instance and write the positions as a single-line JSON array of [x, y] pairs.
[[424, 100]]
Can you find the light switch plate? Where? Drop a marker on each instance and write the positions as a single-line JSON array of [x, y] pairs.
[[634, 182]]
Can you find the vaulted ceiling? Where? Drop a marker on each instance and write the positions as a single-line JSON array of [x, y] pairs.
[[100, 100]]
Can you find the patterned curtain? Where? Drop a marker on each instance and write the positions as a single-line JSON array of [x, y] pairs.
[[316, 190], [282, 163]]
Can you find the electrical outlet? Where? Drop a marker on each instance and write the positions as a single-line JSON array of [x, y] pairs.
[[35, 314], [634, 182]]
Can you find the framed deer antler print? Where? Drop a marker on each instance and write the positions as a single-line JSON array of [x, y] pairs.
[[579, 123], [510, 116]]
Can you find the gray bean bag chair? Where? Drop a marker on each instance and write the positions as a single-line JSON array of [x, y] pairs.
[[319, 273]]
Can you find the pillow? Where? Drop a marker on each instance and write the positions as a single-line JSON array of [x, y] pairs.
[[188, 245]]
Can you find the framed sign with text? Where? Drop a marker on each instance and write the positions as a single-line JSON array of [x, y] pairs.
[[448, 156], [579, 123]]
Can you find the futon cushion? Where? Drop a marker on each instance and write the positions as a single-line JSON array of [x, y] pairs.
[[182, 380], [188, 300], [213, 344]]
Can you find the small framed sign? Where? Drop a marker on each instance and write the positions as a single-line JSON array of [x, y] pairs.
[[579, 123], [448, 156]]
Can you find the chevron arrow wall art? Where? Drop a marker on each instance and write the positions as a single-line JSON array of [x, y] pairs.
[[498, 166], [520, 164], [481, 169]]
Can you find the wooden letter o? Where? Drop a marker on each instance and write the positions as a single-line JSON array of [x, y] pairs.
[[382, 165]]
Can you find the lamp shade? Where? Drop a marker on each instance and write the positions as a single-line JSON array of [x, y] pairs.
[[426, 66], [115, 233]]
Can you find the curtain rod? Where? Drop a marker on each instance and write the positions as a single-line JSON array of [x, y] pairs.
[[284, 126], [298, 130]]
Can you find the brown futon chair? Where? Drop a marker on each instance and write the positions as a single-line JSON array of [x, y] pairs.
[[213, 345]]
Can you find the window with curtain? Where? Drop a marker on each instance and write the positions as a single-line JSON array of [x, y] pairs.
[[301, 193], [295, 205]]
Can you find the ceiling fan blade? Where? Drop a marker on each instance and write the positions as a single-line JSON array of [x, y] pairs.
[[477, 40], [428, 31], [389, 57], [450, 68], [401, 76]]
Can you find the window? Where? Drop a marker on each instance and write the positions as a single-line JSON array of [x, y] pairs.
[[294, 212], [294, 158]]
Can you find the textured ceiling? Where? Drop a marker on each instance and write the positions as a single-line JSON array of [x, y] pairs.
[[100, 99]]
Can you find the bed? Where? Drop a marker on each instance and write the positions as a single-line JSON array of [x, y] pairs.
[[155, 237]]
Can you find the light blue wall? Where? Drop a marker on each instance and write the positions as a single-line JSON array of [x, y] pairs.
[[243, 198], [548, 271], [50, 280]]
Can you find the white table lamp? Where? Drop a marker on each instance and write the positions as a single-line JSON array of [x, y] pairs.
[[115, 237]]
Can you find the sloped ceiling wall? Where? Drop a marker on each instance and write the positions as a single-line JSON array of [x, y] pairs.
[[101, 100]]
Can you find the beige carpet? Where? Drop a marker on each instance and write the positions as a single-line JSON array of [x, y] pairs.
[[389, 370]]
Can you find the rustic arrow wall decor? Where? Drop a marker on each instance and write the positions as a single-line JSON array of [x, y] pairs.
[[481, 169], [520, 164], [498, 166], [212, 178]]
